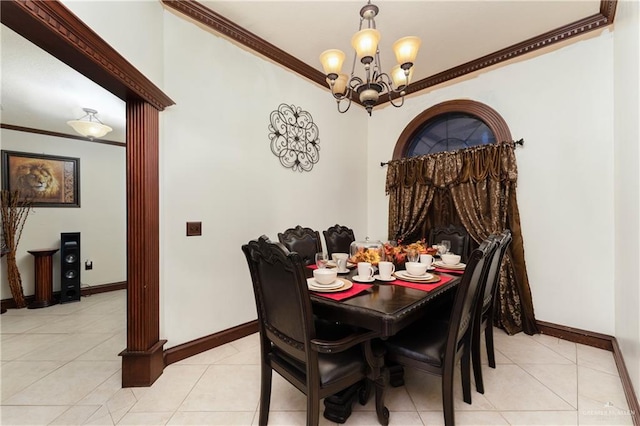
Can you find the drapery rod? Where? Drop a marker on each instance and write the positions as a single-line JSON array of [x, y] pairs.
[[518, 142]]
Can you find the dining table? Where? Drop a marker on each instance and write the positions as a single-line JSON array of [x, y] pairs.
[[385, 307]]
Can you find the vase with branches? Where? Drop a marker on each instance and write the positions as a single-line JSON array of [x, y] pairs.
[[14, 208]]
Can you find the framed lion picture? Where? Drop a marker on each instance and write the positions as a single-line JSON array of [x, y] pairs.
[[47, 180]]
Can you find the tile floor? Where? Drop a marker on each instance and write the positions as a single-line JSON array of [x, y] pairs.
[[60, 366]]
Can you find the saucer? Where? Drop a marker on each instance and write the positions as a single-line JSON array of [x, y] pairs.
[[346, 271], [403, 275], [345, 285], [425, 276], [379, 278], [314, 285], [357, 278], [456, 267]]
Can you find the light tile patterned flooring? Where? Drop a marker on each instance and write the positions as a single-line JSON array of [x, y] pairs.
[[60, 366]]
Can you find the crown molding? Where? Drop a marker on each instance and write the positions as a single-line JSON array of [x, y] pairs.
[[574, 29], [222, 25], [59, 135]]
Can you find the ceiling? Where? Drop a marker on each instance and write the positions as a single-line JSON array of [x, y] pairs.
[[41, 92]]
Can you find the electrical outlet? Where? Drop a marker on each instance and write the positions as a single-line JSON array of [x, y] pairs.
[[88, 265]]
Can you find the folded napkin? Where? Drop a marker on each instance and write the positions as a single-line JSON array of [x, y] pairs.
[[450, 271], [424, 287], [341, 295]]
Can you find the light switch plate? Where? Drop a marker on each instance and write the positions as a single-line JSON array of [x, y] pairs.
[[194, 229]]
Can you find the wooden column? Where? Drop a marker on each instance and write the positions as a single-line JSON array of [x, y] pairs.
[[142, 360], [43, 264]]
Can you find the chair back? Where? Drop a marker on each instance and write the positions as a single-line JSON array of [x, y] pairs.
[[458, 235], [338, 239], [285, 315], [304, 241], [461, 319], [493, 275]]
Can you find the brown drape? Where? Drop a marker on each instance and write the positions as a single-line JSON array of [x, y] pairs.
[[479, 183]]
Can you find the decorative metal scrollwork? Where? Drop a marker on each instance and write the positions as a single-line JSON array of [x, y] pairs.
[[294, 138]]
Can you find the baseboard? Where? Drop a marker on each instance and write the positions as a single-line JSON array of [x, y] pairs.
[[602, 341], [102, 288], [84, 291], [194, 347]]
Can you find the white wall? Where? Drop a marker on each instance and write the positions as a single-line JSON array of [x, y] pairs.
[[101, 218], [120, 23], [561, 104], [627, 184], [217, 167]]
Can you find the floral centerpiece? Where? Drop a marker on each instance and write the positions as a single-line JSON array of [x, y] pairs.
[[398, 253]]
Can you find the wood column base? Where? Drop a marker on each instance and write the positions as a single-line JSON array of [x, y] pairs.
[[142, 368]]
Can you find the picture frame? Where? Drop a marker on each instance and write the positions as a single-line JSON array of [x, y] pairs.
[[46, 180]]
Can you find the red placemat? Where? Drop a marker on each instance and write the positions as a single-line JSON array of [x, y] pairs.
[[450, 271], [341, 295], [424, 287]]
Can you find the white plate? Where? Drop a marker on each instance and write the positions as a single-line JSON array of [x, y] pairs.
[[313, 284], [379, 278], [407, 276], [346, 271], [426, 276], [458, 267], [357, 278], [346, 285]]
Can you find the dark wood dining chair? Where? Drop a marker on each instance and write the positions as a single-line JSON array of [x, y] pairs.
[[458, 235], [304, 241], [485, 309], [435, 343], [338, 239], [290, 342]]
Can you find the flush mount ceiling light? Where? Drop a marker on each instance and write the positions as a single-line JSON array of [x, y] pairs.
[[376, 82], [89, 125]]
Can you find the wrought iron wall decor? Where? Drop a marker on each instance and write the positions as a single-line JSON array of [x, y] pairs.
[[294, 138]]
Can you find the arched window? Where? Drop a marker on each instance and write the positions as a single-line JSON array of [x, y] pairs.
[[450, 126]]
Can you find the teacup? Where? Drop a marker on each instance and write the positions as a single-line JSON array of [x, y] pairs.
[[416, 268], [336, 256], [365, 271], [341, 261], [450, 258], [325, 276], [427, 259], [386, 269]]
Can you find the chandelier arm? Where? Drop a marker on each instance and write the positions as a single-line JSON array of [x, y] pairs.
[[347, 108], [400, 96]]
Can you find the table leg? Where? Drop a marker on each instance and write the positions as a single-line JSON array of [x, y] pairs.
[[374, 354]]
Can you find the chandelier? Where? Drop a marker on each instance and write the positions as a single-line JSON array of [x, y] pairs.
[[376, 82], [89, 125]]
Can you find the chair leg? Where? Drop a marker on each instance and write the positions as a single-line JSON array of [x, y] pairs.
[[488, 336], [475, 358], [447, 399], [465, 365], [313, 408], [265, 394]]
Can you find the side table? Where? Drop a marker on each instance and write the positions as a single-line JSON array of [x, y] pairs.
[[43, 278]]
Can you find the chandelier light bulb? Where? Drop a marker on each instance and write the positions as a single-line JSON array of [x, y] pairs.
[[406, 49], [331, 61], [365, 42]]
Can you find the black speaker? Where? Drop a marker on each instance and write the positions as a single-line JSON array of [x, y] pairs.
[[69, 267]]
